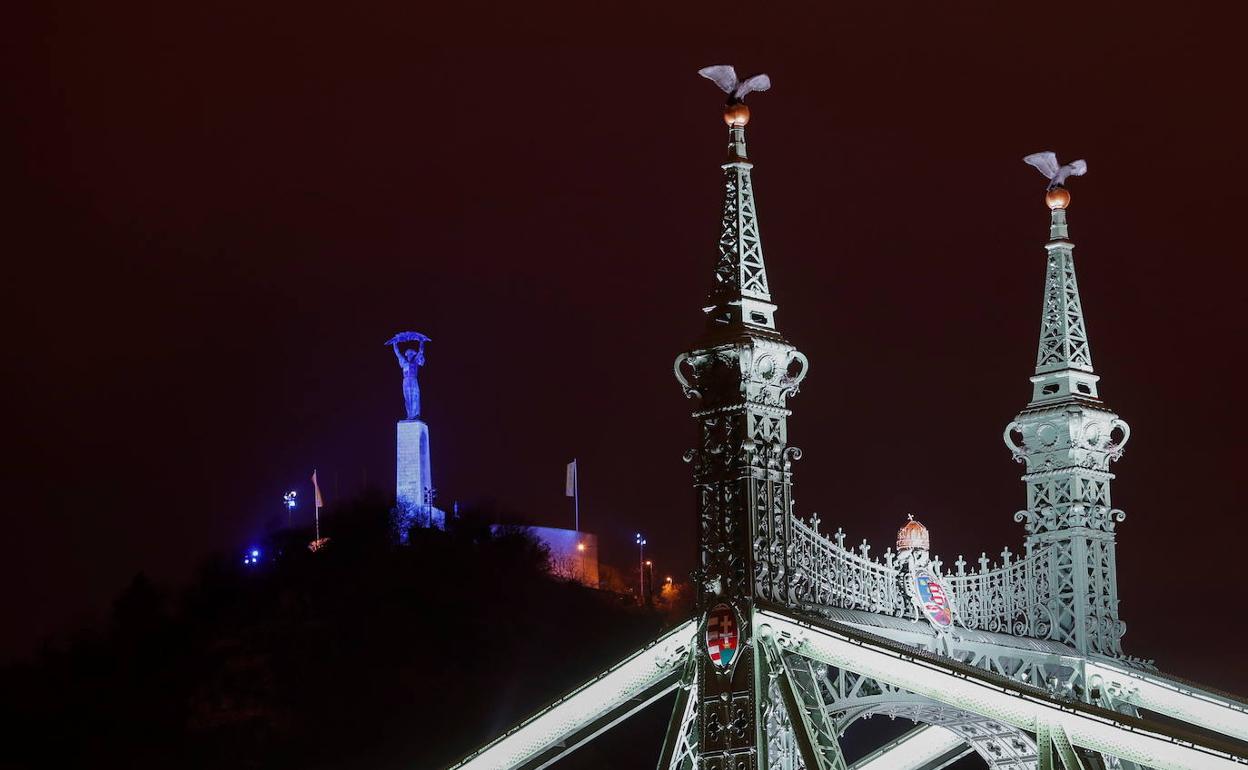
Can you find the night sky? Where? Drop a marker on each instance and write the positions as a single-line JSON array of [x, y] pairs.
[[223, 210]]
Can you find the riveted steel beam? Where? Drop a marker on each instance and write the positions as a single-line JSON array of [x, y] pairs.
[[591, 709], [927, 747], [973, 690]]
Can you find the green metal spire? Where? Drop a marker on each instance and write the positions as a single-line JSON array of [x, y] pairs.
[[1067, 439], [740, 376], [740, 294], [1064, 358]]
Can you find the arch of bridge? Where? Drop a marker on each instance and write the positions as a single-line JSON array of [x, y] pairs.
[[1002, 746]]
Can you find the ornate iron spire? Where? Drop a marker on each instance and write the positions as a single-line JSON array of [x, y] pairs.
[[739, 375], [1064, 358], [740, 294], [1067, 438]]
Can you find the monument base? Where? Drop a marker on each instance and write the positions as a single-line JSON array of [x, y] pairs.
[[404, 520], [413, 488]]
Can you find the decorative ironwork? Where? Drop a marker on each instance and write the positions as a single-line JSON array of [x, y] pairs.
[[1067, 438], [1029, 671], [740, 375]]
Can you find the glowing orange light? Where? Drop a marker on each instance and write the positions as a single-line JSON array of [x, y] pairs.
[[1057, 198], [737, 114], [580, 546]]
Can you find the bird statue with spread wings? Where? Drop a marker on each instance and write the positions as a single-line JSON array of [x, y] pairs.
[[1046, 163], [724, 76]]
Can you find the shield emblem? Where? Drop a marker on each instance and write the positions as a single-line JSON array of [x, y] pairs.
[[721, 635], [933, 599]]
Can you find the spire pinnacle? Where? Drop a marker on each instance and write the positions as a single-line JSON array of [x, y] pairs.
[[1064, 357], [740, 295], [1067, 439]]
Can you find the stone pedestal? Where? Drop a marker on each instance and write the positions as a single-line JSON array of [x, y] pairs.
[[414, 479]]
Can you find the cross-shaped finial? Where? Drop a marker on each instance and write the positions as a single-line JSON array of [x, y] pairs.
[[983, 562], [961, 565], [814, 521]]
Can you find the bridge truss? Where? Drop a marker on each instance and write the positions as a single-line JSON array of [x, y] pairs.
[[798, 636]]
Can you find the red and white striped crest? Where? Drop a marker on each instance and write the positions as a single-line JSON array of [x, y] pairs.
[[721, 635]]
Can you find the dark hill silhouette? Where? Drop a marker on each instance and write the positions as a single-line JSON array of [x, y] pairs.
[[361, 655]]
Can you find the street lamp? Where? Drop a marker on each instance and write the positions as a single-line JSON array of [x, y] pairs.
[[289, 500], [641, 567]]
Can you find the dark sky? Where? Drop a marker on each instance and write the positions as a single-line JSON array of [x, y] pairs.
[[224, 209]]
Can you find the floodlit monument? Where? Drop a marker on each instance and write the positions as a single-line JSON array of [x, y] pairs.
[[413, 489], [796, 636]]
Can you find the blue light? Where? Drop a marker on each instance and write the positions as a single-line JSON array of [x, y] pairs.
[[252, 557], [255, 553]]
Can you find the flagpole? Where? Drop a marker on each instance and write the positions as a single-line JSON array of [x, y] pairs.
[[572, 489], [316, 503]]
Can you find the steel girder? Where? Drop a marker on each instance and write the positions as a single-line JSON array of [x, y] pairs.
[[1152, 691], [809, 718], [1107, 682], [927, 747], [591, 709], [1002, 700], [680, 745], [877, 675]]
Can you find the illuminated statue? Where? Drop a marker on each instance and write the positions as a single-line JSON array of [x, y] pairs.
[[1046, 163], [413, 486], [410, 361]]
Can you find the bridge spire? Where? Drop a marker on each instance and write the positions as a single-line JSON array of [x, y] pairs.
[[740, 295], [1064, 357], [739, 375], [1067, 438]]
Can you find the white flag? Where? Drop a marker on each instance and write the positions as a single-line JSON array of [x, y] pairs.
[[570, 486], [317, 489]]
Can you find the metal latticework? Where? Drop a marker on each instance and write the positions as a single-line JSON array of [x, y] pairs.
[[799, 636], [739, 376], [740, 271], [1063, 335], [1067, 439]]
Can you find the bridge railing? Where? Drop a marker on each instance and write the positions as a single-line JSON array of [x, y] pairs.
[[1010, 598], [833, 575]]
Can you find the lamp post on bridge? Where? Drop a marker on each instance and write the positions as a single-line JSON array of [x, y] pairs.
[[641, 567], [289, 501]]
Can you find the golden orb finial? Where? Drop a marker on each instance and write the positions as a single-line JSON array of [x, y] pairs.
[[1057, 198], [737, 115]]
